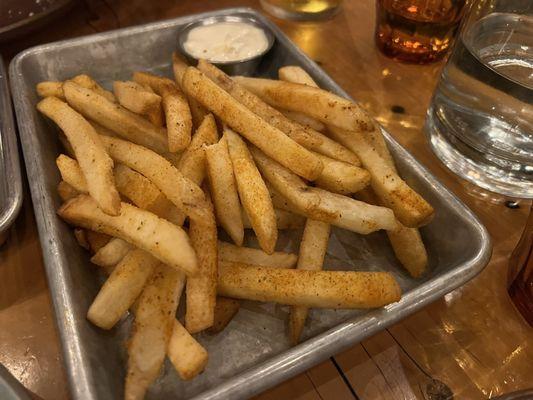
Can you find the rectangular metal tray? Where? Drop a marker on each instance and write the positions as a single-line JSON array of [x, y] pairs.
[[253, 353]]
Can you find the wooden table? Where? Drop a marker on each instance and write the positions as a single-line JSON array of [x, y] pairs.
[[472, 340]]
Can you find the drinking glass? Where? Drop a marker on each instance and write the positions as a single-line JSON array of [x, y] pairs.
[[302, 10], [480, 121]]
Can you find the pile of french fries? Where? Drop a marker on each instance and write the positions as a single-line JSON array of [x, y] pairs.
[[153, 170]]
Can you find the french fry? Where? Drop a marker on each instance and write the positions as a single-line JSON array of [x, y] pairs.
[[285, 219], [164, 240], [248, 255], [259, 107], [408, 206], [81, 238], [321, 205], [274, 142], [66, 191], [311, 258], [179, 66], [192, 162], [89, 83], [225, 310], [223, 188], [315, 102], [188, 356], [95, 163], [126, 124], [304, 120], [202, 289], [152, 329], [253, 192], [181, 191], [96, 240], [112, 253], [50, 89], [121, 288], [296, 74], [71, 173], [341, 177], [177, 111], [319, 289], [137, 99]]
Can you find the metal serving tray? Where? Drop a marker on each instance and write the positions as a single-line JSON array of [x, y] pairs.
[[10, 178], [253, 353]]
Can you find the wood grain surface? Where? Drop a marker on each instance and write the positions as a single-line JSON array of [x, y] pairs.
[[471, 343]]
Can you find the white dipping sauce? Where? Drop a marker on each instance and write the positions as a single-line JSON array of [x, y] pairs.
[[226, 41]]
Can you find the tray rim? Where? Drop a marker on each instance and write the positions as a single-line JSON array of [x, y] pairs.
[[303, 356]]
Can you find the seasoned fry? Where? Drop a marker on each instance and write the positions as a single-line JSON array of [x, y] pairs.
[[408, 206], [66, 191], [96, 240], [202, 289], [225, 310], [89, 83], [154, 321], [253, 192], [81, 238], [249, 255], [321, 205], [341, 177], [311, 257], [181, 191], [223, 188], [320, 289], [192, 162], [259, 107], [179, 66], [296, 74], [116, 118], [50, 89], [71, 173], [137, 99], [285, 219], [304, 120], [121, 288], [177, 111], [111, 254], [164, 240], [273, 142], [188, 356], [315, 102], [95, 163]]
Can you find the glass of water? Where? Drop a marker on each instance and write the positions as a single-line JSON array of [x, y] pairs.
[[480, 122]]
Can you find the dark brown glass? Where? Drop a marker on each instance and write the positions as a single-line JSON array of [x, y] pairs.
[[417, 31], [520, 275]]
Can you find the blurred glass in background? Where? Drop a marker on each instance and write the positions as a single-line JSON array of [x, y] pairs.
[[480, 121], [302, 10], [417, 31]]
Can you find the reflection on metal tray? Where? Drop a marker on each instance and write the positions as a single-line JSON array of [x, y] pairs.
[[10, 179], [253, 353]]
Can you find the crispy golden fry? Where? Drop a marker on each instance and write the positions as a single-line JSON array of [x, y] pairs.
[[321, 205], [81, 238], [408, 206], [296, 74], [340, 177], [181, 191], [96, 240], [50, 89], [112, 253], [71, 173], [320, 289], [89, 83], [274, 142], [95, 163], [304, 120], [225, 310], [152, 329], [122, 288], [116, 118], [66, 191], [164, 240], [285, 219], [311, 258], [253, 192], [177, 111], [192, 162], [248, 255], [188, 356], [137, 99], [223, 188], [202, 289], [255, 104], [179, 66], [315, 102]]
